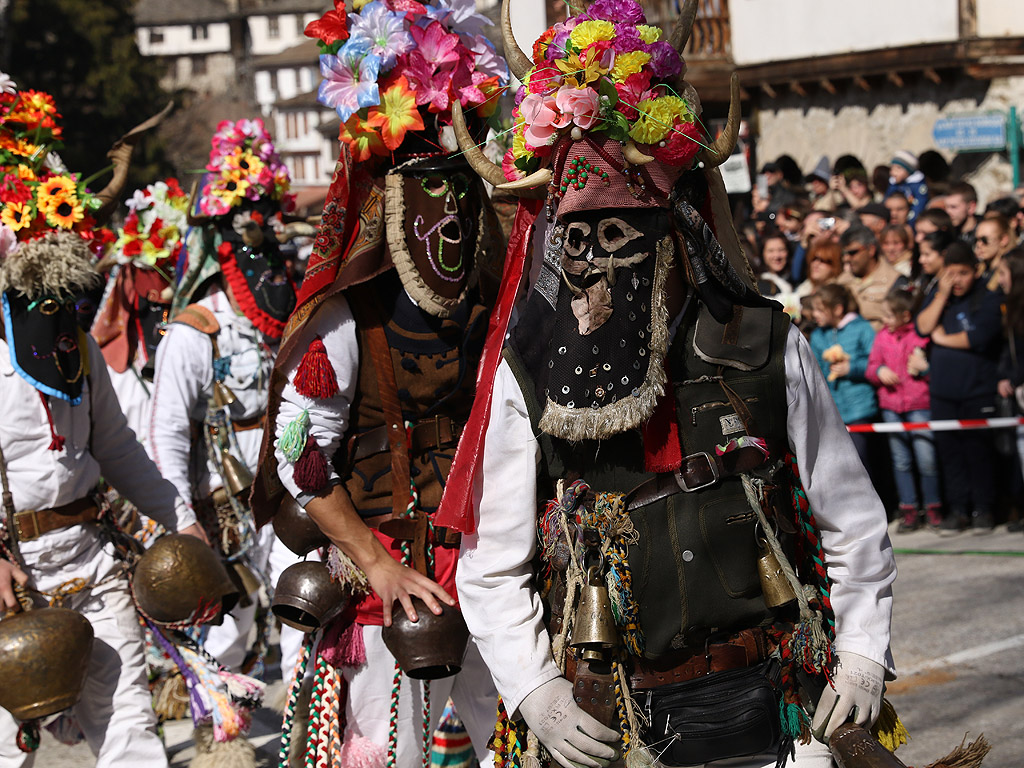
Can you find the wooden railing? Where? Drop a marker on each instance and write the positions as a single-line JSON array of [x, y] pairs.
[[710, 39]]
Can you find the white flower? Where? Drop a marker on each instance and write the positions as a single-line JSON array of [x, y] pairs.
[[139, 201], [8, 239], [7, 85]]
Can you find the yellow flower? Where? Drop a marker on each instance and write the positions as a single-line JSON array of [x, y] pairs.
[[16, 215], [244, 162], [357, 5], [657, 116], [649, 34], [53, 191], [519, 142], [588, 32], [25, 173], [65, 213], [582, 72], [627, 64]]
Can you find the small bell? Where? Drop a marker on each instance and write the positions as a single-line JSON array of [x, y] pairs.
[[236, 476], [775, 586], [222, 395], [594, 630]]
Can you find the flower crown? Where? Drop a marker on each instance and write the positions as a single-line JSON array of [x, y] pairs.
[[37, 194], [383, 63], [605, 70], [154, 232], [246, 166]]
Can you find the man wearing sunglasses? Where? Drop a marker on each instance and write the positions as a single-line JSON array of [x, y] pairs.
[[867, 276]]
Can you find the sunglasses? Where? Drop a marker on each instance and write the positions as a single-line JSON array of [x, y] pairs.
[[983, 240], [853, 251]]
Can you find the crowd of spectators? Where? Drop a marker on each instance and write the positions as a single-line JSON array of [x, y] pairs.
[[912, 298]]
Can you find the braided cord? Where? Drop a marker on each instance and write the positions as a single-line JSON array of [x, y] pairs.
[[396, 686], [427, 731], [315, 712], [293, 699]]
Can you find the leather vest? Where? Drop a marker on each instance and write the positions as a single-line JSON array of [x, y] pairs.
[[694, 563], [435, 362]]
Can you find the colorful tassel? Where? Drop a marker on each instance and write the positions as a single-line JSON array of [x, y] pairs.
[[343, 646], [889, 729], [293, 439], [315, 377], [28, 736], [311, 471]]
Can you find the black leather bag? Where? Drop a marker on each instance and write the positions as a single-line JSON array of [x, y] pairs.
[[723, 715]]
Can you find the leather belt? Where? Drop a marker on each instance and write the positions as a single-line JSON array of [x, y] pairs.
[[427, 435], [698, 470], [244, 425], [30, 524], [743, 649]]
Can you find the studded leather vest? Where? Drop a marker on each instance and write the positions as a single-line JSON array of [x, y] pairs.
[[434, 362], [694, 563]]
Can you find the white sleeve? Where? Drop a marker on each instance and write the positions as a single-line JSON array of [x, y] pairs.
[[329, 418], [495, 575], [184, 370], [122, 458], [852, 519]]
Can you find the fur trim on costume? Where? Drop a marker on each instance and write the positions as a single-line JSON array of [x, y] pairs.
[[56, 264], [360, 752]]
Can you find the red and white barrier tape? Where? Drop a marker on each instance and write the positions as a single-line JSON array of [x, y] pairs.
[[942, 425]]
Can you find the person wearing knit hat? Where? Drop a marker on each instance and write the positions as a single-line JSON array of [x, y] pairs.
[[62, 430], [907, 180], [612, 471]]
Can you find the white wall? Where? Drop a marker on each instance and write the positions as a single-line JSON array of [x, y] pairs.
[[529, 21], [289, 32], [178, 40], [775, 30], [998, 18]]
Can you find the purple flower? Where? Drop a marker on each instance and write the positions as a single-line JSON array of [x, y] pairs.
[[487, 59], [665, 60], [627, 39], [617, 10], [383, 30], [350, 79], [459, 15]]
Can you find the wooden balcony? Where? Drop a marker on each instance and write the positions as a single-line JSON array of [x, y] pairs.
[[710, 38]]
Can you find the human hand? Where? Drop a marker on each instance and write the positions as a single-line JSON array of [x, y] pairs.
[[10, 574], [395, 582], [836, 182], [572, 736], [945, 285], [939, 336], [856, 692], [1005, 388], [888, 376], [917, 363], [839, 369], [196, 531]]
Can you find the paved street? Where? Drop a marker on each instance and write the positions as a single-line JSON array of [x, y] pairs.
[[958, 640]]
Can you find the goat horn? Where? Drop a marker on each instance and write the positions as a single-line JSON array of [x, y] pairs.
[[488, 171], [518, 62], [724, 145], [121, 155], [537, 179], [684, 25], [631, 154]]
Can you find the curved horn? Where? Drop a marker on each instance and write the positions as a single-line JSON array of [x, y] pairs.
[[121, 155], [487, 170], [191, 218], [719, 152], [537, 179], [684, 25], [518, 62], [631, 154]]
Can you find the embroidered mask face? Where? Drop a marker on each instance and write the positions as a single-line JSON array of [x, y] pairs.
[[48, 348], [433, 210]]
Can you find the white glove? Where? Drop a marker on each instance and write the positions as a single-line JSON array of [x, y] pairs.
[[857, 691], [572, 736]]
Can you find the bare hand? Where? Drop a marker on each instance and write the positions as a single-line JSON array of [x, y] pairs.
[[836, 182], [195, 530], [917, 363], [9, 574], [888, 376], [1005, 388], [840, 369], [393, 582], [939, 336], [945, 283]]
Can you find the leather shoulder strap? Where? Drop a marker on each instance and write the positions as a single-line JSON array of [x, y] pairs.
[[369, 321], [198, 317]]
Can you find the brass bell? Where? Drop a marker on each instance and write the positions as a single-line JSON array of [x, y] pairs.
[[775, 586], [222, 394], [594, 631], [236, 475]]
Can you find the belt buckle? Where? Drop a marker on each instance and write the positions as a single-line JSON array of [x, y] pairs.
[[29, 514], [438, 442], [712, 466]]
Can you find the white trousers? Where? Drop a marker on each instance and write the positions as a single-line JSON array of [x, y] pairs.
[[368, 705], [115, 710]]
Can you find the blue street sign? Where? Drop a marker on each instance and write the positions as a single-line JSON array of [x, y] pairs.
[[971, 132]]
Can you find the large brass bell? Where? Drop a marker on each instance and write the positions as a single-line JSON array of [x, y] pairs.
[[594, 633], [307, 598], [236, 475], [296, 529], [775, 586], [44, 658], [222, 395]]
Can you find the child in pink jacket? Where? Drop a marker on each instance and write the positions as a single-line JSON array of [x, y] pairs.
[[898, 367]]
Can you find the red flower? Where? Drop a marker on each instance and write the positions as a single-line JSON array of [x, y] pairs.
[[133, 248], [174, 188], [331, 27], [131, 224], [541, 44], [681, 145], [15, 191]]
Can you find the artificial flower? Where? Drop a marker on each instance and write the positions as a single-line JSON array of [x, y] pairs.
[[627, 64], [65, 213], [657, 116], [680, 146], [14, 190], [331, 27], [434, 44], [17, 216], [589, 32], [484, 94], [8, 238], [543, 120], [53, 190], [619, 10], [543, 79], [350, 79], [665, 62], [631, 92], [384, 31], [25, 173], [460, 15], [580, 71], [649, 34], [397, 114], [582, 104], [363, 141], [432, 88], [508, 166], [7, 85], [540, 45], [487, 59]]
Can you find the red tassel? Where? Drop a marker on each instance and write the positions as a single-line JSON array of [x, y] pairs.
[[315, 377], [56, 441], [662, 450], [310, 471]]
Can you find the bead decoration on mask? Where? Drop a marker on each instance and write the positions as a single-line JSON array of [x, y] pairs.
[[450, 222]]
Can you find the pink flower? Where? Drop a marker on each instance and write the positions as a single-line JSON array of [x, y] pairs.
[[431, 87], [543, 119], [632, 92], [617, 10], [436, 45], [545, 79], [582, 103], [508, 167]]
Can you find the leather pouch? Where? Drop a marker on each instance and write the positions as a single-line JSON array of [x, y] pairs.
[[720, 716]]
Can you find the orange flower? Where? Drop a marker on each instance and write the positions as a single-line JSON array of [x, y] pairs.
[[363, 141], [16, 215], [396, 114], [53, 191], [65, 213]]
